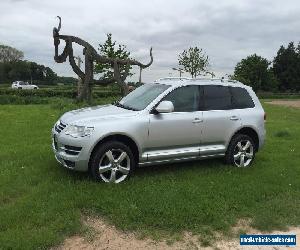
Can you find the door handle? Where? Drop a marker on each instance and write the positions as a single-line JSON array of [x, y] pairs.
[[197, 120], [234, 118]]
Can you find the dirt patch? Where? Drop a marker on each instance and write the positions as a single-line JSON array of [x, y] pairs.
[[105, 236], [287, 103]]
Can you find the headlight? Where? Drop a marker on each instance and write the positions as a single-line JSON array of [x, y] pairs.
[[78, 131]]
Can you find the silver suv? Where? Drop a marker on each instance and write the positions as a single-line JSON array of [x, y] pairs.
[[170, 120]]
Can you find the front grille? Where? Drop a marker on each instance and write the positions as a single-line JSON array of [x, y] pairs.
[[73, 148], [60, 127]]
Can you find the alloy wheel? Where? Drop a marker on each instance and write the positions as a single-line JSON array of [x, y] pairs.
[[243, 153], [114, 166]]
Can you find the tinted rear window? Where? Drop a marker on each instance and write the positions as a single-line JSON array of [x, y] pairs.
[[241, 98], [216, 97]]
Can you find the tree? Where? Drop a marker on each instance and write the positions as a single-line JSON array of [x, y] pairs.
[[26, 71], [90, 58], [66, 80], [19, 70], [112, 50], [194, 61], [49, 75], [10, 54], [286, 66], [255, 71]]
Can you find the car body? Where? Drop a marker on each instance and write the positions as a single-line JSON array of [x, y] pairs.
[[173, 120], [23, 85]]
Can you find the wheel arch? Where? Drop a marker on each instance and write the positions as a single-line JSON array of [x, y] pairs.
[[127, 140], [251, 132]]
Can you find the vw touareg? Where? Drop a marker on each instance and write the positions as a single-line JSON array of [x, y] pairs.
[[170, 120]]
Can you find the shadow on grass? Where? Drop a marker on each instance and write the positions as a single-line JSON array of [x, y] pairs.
[[199, 165], [155, 170]]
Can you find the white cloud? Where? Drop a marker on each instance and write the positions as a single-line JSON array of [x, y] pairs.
[[226, 30]]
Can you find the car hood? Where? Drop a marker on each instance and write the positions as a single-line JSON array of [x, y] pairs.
[[93, 114]]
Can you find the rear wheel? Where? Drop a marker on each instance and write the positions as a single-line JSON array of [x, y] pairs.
[[241, 151], [112, 162]]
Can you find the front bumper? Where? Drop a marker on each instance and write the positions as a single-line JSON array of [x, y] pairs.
[[77, 159], [262, 137]]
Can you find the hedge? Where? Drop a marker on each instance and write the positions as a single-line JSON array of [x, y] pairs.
[[13, 99], [53, 93], [270, 95]]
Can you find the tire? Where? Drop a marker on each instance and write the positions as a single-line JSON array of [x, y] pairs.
[[240, 151], [19, 87], [35, 88], [112, 162]]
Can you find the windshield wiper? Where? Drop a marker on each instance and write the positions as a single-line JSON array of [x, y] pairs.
[[118, 104]]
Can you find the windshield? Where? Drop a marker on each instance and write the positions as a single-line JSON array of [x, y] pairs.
[[141, 97]]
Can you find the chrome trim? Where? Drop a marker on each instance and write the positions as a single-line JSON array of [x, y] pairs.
[[171, 153], [70, 150], [182, 153], [209, 149]]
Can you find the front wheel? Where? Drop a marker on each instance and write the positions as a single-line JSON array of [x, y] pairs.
[[112, 162], [241, 151]]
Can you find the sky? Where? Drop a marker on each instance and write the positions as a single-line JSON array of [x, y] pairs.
[[227, 30]]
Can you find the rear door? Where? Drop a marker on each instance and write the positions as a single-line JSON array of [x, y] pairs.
[[220, 121]]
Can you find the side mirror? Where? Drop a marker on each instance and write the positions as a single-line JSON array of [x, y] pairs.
[[165, 107]]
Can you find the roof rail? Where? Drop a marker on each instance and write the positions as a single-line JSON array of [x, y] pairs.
[[206, 78], [214, 79], [196, 79], [173, 78]]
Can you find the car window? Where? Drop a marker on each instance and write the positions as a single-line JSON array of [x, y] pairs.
[[216, 97], [241, 98], [142, 96], [184, 99]]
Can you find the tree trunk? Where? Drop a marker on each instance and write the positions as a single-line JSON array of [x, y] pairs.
[[124, 89], [140, 78], [86, 89], [82, 94], [79, 86]]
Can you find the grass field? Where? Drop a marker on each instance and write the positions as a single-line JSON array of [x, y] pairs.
[[41, 203]]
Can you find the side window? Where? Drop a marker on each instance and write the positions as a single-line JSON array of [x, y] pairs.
[[241, 98], [184, 99], [216, 97]]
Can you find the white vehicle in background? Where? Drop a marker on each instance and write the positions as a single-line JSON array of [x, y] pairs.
[[23, 85]]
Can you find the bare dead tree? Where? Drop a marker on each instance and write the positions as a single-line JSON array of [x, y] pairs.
[[79, 81], [91, 56]]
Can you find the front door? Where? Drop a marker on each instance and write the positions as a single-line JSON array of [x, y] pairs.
[[176, 134]]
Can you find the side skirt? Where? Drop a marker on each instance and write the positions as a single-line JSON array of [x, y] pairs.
[[183, 159]]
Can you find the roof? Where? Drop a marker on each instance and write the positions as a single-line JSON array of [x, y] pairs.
[[178, 81]]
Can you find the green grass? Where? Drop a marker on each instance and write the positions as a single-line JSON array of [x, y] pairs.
[[41, 203]]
